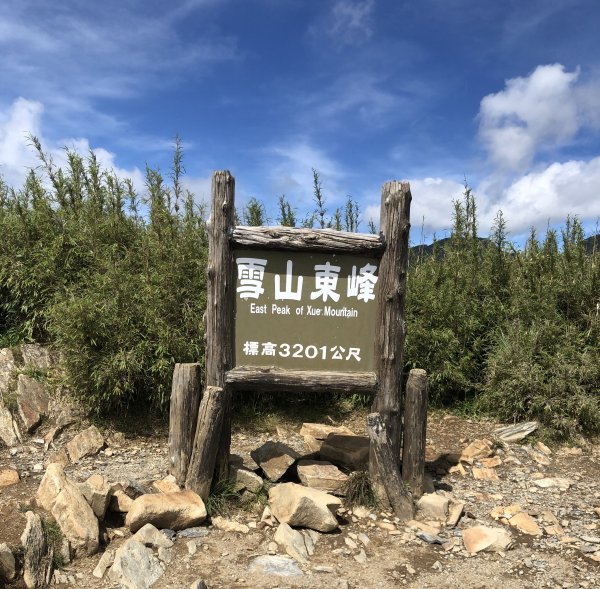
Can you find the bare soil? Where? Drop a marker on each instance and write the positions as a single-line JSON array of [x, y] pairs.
[[393, 559]]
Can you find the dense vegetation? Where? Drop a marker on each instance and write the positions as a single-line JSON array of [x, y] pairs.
[[116, 282]]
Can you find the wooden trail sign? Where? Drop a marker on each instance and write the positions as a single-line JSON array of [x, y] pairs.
[[304, 310]]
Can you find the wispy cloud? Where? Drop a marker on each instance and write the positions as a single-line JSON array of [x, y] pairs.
[[347, 22]]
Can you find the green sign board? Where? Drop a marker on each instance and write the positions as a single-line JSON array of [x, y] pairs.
[[305, 311]]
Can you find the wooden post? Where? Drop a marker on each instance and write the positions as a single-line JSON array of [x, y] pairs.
[[387, 466], [415, 429], [185, 400], [206, 441], [219, 333], [389, 341]]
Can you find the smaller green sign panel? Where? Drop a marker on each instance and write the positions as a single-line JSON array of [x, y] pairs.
[[305, 311]]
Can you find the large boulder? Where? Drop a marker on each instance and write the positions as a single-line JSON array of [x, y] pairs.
[[274, 458], [322, 475], [32, 401], [176, 511], [304, 507], [86, 443], [35, 549], [63, 499], [346, 450]]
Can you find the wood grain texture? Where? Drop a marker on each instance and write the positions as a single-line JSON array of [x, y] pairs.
[[415, 431], [323, 240], [387, 466], [206, 442], [219, 333], [185, 400], [277, 379], [391, 294]]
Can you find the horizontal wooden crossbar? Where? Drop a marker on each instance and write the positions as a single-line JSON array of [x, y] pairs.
[[323, 240], [269, 378]]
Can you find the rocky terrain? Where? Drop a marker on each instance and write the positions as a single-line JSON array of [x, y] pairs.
[[89, 506]]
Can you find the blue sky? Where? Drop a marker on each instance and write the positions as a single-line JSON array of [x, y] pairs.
[[505, 93]]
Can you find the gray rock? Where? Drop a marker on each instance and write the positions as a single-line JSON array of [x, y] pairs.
[[198, 584], [7, 563], [429, 538], [280, 566], [35, 561], [244, 479], [9, 430], [514, 433], [166, 555], [36, 357], [349, 451], [135, 566], [106, 561], [32, 401], [148, 535], [195, 532], [7, 365]]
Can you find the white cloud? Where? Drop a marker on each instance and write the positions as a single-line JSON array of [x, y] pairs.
[[550, 194], [17, 156], [431, 207], [539, 112]]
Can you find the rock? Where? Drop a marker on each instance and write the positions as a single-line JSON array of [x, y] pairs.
[[304, 507], [176, 511], [9, 430], [540, 446], [475, 450], [482, 538], [150, 536], [194, 532], [35, 558], [505, 512], [429, 538], [280, 566], [63, 499], [455, 511], [292, 542], [59, 457], [547, 483], [244, 479], [485, 474], [8, 477], [7, 365], [167, 485], [166, 555], [120, 501], [525, 524], [517, 432], [32, 401], [320, 431], [106, 561], [36, 357], [491, 462], [228, 525], [274, 458], [457, 469], [313, 445], [433, 507], [7, 563], [97, 493], [86, 443], [539, 457], [346, 450], [322, 475], [361, 557], [135, 566], [198, 584]]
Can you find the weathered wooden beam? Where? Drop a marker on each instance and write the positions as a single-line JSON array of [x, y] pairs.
[[415, 430], [206, 442], [391, 293], [218, 356], [387, 467], [185, 400], [322, 240], [277, 379]]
